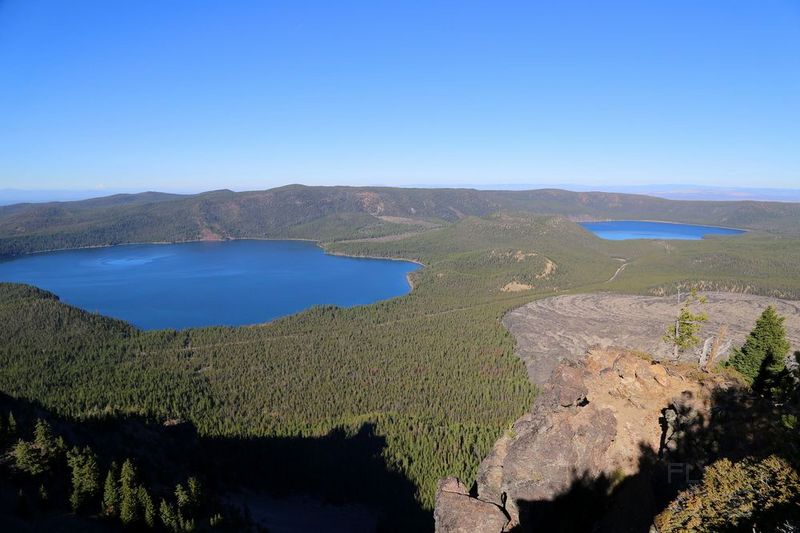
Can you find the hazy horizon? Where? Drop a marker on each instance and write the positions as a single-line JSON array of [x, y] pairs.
[[10, 196]]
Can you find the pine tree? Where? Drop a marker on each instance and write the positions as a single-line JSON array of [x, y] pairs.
[[128, 506], [762, 358], [111, 492], [147, 506], [85, 476], [11, 427], [168, 517], [195, 492], [186, 524], [181, 497], [43, 435], [44, 495], [28, 458], [48, 445], [682, 334]]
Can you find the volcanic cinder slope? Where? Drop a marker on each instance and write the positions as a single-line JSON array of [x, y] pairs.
[[552, 330]]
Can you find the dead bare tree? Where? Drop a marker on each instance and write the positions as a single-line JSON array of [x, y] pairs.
[[719, 347], [707, 344]]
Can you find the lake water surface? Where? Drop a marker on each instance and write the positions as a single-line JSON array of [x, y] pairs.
[[208, 283], [620, 230]]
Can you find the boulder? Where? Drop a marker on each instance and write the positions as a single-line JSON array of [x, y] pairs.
[[544, 462], [565, 388], [457, 512]]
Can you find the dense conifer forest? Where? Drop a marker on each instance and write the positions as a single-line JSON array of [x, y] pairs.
[[404, 391]]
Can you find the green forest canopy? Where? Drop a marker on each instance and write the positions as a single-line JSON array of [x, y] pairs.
[[432, 371]]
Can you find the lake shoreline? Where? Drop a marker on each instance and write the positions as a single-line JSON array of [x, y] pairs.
[[623, 230], [320, 244], [228, 256], [590, 220]]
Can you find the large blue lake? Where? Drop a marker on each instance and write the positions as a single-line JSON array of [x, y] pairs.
[[620, 230], [208, 283]]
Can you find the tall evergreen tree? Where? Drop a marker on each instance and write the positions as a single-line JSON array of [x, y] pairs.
[[762, 358], [11, 427], [195, 493], [168, 517], [129, 501], [85, 476], [182, 497], [43, 434], [111, 492], [49, 445], [147, 506], [28, 458]]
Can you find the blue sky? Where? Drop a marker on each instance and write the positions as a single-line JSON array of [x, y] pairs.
[[197, 95]]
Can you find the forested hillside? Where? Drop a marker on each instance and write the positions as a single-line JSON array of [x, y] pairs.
[[337, 213], [404, 391], [102, 474]]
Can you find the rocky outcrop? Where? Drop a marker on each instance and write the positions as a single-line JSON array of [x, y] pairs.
[[594, 419], [457, 512]]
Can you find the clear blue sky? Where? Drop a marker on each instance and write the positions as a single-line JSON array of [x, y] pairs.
[[195, 95]]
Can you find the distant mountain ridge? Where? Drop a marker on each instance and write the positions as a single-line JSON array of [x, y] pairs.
[[337, 213], [669, 191]]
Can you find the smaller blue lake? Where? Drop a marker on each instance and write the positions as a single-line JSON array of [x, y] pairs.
[[620, 230], [208, 283]]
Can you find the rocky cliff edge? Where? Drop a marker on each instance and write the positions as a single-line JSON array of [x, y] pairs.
[[591, 426]]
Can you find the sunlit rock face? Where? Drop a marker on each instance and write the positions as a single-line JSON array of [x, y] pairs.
[[607, 417]]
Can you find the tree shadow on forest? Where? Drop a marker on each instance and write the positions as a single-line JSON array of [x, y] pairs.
[[738, 425], [338, 468]]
